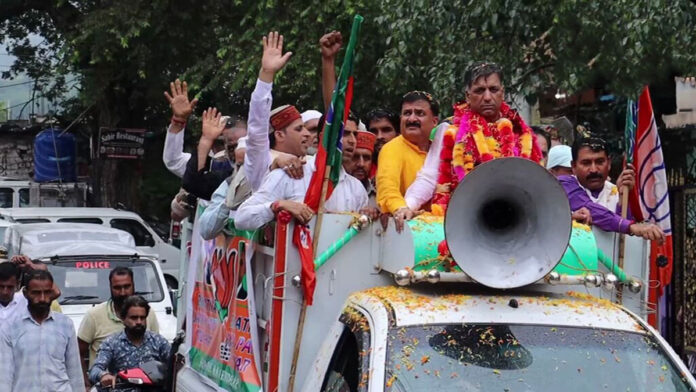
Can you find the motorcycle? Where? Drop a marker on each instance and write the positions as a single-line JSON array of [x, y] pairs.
[[148, 376]]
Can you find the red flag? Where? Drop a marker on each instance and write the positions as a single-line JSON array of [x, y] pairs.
[[329, 156], [302, 238], [649, 199]]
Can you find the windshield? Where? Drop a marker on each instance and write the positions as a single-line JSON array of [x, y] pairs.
[[87, 281], [526, 358]]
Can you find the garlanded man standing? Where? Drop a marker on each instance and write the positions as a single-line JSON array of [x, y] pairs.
[[484, 128]]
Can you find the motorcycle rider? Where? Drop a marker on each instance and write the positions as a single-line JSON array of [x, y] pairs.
[[131, 347]]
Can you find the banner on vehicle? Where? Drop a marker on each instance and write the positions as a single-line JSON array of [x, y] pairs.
[[221, 317]]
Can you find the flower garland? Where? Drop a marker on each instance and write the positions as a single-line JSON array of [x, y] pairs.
[[471, 140]]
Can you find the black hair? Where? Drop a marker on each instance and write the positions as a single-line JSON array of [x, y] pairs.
[[271, 138], [134, 301], [414, 96], [482, 68], [593, 143], [37, 275], [120, 271], [378, 114], [8, 270], [542, 133], [353, 117]]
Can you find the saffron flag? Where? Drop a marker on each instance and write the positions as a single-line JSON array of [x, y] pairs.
[[328, 160], [649, 199]]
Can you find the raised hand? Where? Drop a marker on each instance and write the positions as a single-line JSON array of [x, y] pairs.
[[330, 44], [212, 126], [179, 101], [273, 59]]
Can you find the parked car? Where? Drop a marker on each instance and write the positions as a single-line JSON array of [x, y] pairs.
[[146, 239], [26, 193], [80, 258]]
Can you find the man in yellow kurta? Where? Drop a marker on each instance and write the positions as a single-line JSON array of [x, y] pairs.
[[402, 157]]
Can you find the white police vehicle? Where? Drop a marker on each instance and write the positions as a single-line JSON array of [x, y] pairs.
[[80, 257]]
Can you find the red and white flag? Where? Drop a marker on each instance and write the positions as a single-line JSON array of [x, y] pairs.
[[649, 199]]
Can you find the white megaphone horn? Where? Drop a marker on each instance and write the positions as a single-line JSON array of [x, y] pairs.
[[508, 223]]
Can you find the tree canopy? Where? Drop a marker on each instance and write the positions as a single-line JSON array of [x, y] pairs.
[[123, 54]]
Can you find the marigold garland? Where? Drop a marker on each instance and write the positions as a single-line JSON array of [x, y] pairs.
[[471, 140]]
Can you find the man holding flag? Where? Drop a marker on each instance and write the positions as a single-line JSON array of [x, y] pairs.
[[301, 197]]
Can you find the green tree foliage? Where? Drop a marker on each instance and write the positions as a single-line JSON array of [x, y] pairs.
[[124, 53]]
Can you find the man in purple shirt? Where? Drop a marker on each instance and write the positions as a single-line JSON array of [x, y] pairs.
[[590, 188]]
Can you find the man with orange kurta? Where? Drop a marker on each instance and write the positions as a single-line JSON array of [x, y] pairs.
[[400, 159], [484, 128]]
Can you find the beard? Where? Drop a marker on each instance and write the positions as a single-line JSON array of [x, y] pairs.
[[39, 307], [136, 332], [118, 300]]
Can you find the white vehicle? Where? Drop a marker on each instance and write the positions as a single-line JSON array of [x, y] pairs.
[[80, 257], [391, 314], [146, 239], [26, 193]]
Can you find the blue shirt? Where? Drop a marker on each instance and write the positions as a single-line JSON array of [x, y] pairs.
[[117, 353], [40, 357]]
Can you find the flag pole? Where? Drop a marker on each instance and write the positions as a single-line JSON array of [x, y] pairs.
[[622, 240], [303, 309], [629, 135]]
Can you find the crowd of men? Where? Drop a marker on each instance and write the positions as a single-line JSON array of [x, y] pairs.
[[394, 164], [40, 349], [250, 169]]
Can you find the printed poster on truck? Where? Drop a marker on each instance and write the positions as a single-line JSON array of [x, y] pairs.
[[222, 314]]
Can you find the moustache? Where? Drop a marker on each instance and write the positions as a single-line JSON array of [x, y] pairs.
[[40, 306], [413, 124], [592, 176]]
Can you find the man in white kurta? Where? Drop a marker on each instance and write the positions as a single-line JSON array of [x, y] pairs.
[[348, 195]]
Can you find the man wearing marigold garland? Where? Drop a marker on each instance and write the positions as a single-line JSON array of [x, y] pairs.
[[484, 128]]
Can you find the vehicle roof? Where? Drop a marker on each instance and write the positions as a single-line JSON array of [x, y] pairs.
[[65, 212], [416, 306], [50, 239]]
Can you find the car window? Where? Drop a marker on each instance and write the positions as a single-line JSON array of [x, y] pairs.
[[6, 197], [349, 367], [136, 229], [24, 197], [86, 281], [499, 357], [82, 220], [32, 220]]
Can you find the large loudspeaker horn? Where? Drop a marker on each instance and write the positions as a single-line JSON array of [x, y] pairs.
[[508, 223]]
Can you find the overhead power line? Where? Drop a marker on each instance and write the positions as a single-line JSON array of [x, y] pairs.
[[17, 84]]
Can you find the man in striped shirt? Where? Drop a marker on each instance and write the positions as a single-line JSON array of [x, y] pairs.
[[38, 349]]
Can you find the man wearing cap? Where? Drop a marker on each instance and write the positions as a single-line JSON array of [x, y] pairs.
[[275, 139], [589, 188], [280, 191], [361, 163], [559, 161], [311, 118]]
